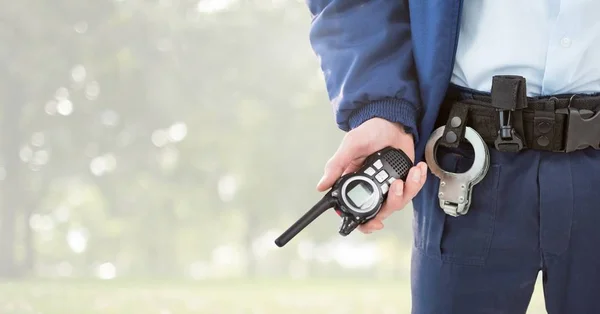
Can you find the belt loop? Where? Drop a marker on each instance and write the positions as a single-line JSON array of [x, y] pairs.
[[509, 97]]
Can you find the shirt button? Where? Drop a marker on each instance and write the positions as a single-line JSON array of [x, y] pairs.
[[565, 42]]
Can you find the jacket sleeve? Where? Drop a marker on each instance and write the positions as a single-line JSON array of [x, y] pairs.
[[365, 51]]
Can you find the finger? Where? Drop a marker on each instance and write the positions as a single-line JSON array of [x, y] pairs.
[[348, 151], [414, 181], [424, 170], [372, 225], [395, 200], [392, 203], [354, 165], [401, 193], [404, 192], [333, 170]]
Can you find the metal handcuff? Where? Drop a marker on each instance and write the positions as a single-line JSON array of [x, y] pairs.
[[455, 189]]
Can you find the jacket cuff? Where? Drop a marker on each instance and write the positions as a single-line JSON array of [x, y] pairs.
[[393, 110]]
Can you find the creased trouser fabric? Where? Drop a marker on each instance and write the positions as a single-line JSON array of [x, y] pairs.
[[534, 211]]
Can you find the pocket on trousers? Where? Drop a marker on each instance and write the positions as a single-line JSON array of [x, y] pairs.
[[464, 239]]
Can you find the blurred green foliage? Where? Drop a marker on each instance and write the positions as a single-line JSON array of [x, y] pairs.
[[168, 139]]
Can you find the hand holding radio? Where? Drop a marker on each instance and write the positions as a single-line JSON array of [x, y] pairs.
[[369, 177], [369, 137]]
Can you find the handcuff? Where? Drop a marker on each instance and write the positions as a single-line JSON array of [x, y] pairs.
[[455, 189]]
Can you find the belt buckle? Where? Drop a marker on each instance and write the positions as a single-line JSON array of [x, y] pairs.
[[507, 140], [583, 128]]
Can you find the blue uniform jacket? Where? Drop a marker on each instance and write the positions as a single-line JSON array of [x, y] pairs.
[[386, 58]]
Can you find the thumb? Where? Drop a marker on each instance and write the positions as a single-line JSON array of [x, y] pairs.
[[336, 165]]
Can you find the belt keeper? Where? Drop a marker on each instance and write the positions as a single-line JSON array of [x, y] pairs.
[[454, 130], [543, 127]]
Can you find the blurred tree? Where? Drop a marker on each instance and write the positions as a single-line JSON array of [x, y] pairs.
[[11, 172], [152, 134]]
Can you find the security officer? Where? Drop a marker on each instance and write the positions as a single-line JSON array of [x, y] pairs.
[[525, 76]]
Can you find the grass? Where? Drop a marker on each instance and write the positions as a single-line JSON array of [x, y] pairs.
[[226, 297]]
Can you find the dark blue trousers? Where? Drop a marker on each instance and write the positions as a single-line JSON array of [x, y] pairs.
[[534, 211]]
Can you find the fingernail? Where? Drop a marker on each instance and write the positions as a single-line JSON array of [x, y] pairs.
[[416, 176]]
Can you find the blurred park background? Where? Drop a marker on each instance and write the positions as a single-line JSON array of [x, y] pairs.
[[152, 150]]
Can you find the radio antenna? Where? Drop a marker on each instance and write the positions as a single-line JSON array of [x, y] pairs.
[[320, 207]]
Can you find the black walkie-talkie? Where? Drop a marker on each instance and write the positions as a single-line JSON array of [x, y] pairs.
[[357, 197]]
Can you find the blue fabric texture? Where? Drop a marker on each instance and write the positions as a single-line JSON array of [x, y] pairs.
[[533, 212], [387, 59]]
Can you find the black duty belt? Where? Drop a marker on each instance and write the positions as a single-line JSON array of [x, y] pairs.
[[509, 120]]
